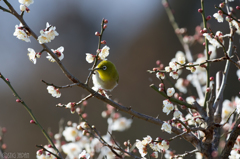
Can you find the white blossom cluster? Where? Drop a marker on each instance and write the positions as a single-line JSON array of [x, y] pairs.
[[157, 145], [102, 55]]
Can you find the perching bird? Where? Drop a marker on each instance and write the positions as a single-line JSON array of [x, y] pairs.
[[105, 76]]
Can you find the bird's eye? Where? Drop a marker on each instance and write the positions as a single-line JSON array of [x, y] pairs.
[[104, 68]]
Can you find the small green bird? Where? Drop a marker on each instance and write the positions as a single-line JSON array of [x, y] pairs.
[[105, 76]]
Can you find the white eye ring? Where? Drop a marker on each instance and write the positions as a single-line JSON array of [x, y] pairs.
[[104, 68]]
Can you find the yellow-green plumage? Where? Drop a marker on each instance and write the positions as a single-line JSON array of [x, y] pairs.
[[106, 76]]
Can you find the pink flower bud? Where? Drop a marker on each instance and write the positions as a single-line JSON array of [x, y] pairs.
[[204, 43], [7, 79], [18, 101], [161, 85], [105, 21], [208, 89], [221, 5], [208, 17], [49, 146], [180, 98], [220, 12], [27, 9], [211, 78], [103, 42], [4, 146], [84, 115], [104, 26], [32, 121], [97, 33], [238, 7], [200, 10], [4, 130]]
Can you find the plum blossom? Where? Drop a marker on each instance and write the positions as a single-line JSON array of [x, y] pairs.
[[54, 91], [167, 127], [58, 52], [90, 57], [21, 33], [104, 52], [47, 34]]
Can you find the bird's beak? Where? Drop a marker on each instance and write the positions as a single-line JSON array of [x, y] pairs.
[[90, 69]]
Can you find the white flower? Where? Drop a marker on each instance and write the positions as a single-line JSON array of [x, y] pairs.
[[180, 85], [26, 2], [90, 57], [177, 114], [104, 52], [192, 69], [190, 119], [170, 92], [141, 148], [238, 73], [168, 69], [58, 52], [155, 146], [236, 25], [32, 55], [53, 91], [160, 75], [227, 109], [179, 54], [213, 50], [48, 34], [190, 100], [211, 40], [84, 155], [72, 150], [234, 154], [22, 7], [165, 144], [154, 154], [174, 75], [46, 155], [70, 133], [199, 155], [219, 17], [166, 127], [120, 124], [173, 65], [168, 108], [148, 139], [181, 59], [21, 33]]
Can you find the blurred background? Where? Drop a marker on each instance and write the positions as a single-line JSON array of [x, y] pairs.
[[138, 34]]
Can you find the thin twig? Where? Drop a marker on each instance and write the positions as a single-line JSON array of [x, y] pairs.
[[60, 87], [96, 58], [186, 153], [31, 114], [42, 147]]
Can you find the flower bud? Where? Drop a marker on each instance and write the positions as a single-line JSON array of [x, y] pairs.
[[32, 121], [208, 17], [104, 26], [22, 7], [105, 21], [221, 5], [97, 33], [200, 10], [103, 42]]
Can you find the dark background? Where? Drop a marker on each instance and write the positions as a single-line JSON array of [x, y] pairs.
[[138, 34]]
